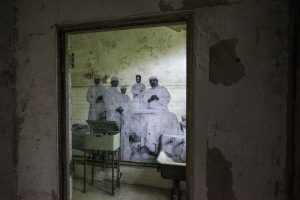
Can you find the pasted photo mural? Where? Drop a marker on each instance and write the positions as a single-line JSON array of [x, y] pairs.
[[137, 78]]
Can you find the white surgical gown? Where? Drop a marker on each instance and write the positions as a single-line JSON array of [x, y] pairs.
[[95, 108], [113, 100], [164, 98]]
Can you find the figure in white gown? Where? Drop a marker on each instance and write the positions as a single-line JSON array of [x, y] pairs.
[[138, 90], [126, 115], [95, 96], [159, 120], [113, 102], [125, 98], [157, 97]]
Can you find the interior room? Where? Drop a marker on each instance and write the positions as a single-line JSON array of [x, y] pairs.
[[113, 69], [239, 89]]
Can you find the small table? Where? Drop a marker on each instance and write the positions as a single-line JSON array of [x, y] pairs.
[[104, 136]]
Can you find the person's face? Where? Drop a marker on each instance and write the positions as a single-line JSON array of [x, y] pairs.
[[138, 79], [154, 82], [97, 81], [123, 90], [114, 83]]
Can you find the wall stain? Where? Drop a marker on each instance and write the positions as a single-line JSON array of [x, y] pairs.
[[188, 4], [54, 195], [276, 188], [109, 44], [146, 48], [177, 28], [14, 65], [42, 8], [37, 144], [17, 129], [219, 176], [278, 156], [141, 40], [24, 104], [7, 78], [165, 5], [225, 66]]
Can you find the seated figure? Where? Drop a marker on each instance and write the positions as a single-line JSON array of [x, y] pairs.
[[155, 120], [143, 126]]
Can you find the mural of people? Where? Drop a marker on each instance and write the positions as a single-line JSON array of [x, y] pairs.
[[142, 126]]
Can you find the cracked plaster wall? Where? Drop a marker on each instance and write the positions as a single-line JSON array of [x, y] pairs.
[[244, 122], [7, 102]]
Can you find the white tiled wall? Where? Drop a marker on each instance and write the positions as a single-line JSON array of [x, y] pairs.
[[79, 105]]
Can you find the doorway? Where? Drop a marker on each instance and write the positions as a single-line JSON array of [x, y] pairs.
[[128, 63]]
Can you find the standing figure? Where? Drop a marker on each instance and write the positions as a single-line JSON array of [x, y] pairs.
[[95, 96], [125, 97], [138, 89], [113, 101], [126, 118]]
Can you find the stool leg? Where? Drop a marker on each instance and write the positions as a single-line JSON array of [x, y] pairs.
[[118, 166], [112, 174], [93, 157], [175, 191], [84, 172]]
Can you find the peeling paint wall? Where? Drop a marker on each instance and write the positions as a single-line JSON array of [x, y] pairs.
[[247, 111], [224, 65], [8, 155], [245, 120]]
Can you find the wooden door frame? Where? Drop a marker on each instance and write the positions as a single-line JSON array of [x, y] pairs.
[[62, 85]]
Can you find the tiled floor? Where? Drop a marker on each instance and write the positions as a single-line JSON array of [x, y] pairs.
[[101, 191]]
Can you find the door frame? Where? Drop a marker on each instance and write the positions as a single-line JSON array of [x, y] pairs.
[[63, 96]]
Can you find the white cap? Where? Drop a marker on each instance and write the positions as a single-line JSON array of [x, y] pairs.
[[152, 77], [114, 78], [96, 76]]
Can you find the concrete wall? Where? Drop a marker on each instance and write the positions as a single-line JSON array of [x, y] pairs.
[[241, 54], [8, 159]]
